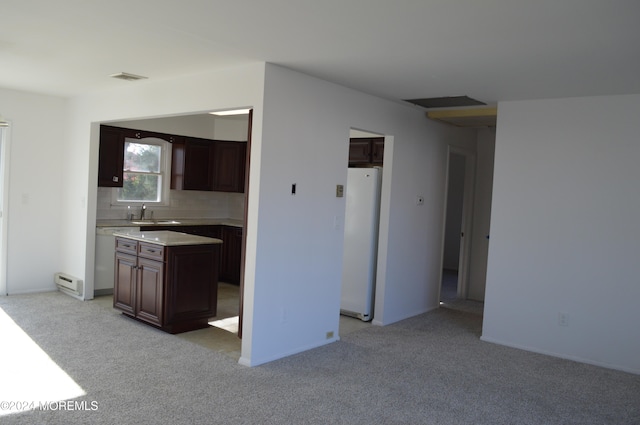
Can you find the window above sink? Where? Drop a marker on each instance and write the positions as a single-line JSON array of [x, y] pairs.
[[145, 172]]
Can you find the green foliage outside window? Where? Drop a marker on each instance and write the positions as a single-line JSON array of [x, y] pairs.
[[142, 178], [140, 187]]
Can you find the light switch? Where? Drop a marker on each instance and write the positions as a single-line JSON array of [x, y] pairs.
[[337, 222], [339, 191]]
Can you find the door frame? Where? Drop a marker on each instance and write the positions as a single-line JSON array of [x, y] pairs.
[[243, 250], [5, 144], [466, 225]]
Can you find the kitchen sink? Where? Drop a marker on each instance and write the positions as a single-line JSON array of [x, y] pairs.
[[152, 222]]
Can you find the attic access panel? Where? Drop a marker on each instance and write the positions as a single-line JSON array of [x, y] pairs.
[[466, 117], [445, 102]]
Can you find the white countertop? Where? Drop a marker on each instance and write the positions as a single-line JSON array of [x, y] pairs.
[[167, 238], [163, 222]]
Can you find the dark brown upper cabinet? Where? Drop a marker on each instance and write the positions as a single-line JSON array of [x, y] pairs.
[[196, 163], [377, 150], [229, 166], [111, 156], [191, 164], [366, 151], [210, 165], [111, 152]]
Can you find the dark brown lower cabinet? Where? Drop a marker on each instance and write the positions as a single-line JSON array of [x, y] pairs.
[[174, 288], [231, 254], [230, 251]]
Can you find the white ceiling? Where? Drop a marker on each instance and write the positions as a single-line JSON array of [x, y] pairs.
[[487, 49]]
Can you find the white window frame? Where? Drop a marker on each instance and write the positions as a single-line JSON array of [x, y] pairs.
[[165, 174]]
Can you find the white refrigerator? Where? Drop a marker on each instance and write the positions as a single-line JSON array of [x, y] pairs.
[[360, 242]]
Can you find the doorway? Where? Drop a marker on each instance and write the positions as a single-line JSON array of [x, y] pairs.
[[458, 218], [226, 328], [361, 221]]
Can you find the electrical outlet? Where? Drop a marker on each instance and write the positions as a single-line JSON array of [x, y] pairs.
[[563, 319], [329, 334]]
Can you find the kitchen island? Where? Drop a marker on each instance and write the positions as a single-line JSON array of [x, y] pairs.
[[166, 279], [228, 229]]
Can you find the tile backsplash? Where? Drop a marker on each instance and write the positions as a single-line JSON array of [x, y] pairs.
[[182, 204]]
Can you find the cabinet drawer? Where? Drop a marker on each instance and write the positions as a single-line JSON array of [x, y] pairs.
[[127, 245], [151, 251]]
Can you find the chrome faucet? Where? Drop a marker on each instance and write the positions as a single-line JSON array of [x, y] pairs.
[[143, 209]]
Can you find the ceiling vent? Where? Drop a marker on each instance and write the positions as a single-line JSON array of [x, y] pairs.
[[126, 76], [445, 102]]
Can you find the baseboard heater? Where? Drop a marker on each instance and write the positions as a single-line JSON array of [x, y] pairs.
[[361, 316], [68, 284]]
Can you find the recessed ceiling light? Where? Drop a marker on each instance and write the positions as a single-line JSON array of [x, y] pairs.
[[231, 112], [126, 76]]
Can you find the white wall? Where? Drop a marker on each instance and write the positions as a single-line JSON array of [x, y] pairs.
[[232, 128], [37, 159], [298, 268], [202, 125], [564, 230]]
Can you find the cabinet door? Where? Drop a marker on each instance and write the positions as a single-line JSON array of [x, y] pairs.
[[192, 283], [209, 231], [111, 157], [198, 158], [360, 151], [177, 163], [377, 150], [149, 291], [229, 163], [231, 254], [124, 293]]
